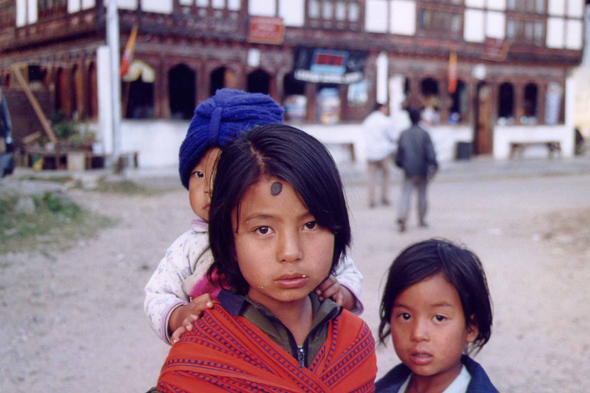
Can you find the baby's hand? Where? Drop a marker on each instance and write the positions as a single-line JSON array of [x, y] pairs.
[[332, 289], [182, 317]]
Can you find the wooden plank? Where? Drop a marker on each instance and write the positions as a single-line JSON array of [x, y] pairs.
[[35, 104]]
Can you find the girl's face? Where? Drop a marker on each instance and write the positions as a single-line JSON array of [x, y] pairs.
[[429, 330], [282, 252], [199, 184]]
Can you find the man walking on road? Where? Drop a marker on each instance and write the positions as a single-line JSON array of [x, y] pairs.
[[415, 155], [380, 143]]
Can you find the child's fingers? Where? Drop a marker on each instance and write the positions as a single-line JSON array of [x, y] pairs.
[[331, 291], [203, 302], [325, 285], [176, 335], [339, 298], [188, 321]]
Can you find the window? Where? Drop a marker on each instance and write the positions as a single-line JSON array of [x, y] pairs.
[[506, 104], [338, 14], [448, 24], [531, 98], [215, 8], [430, 95], [455, 2], [525, 31], [6, 14], [50, 8], [531, 6]]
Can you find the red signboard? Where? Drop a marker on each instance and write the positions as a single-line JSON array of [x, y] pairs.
[[265, 30]]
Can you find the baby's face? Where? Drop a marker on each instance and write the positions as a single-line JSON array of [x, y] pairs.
[[201, 181], [429, 330]]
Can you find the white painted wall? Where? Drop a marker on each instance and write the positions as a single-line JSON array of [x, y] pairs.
[[445, 139], [159, 6], [32, 14], [555, 32], [21, 13], [575, 8], [234, 5], [104, 133], [499, 5], [403, 17], [157, 141], [474, 26], [86, 4], [292, 12], [574, 34], [382, 82], [556, 7], [504, 135], [495, 24], [376, 16], [262, 7], [475, 3], [74, 6], [124, 4]]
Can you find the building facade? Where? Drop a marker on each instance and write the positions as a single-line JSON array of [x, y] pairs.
[[488, 72]]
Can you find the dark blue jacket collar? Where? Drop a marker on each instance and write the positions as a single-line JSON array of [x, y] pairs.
[[480, 383]]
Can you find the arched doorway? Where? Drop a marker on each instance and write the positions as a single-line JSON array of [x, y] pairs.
[[258, 82], [182, 92], [222, 77]]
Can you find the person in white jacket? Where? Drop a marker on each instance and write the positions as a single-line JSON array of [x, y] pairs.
[[380, 142]]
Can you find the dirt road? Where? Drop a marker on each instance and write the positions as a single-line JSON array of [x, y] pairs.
[[74, 322]]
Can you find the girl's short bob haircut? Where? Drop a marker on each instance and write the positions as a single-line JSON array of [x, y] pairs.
[[286, 153], [461, 267]]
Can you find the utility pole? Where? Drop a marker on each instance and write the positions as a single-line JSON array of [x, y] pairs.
[[113, 42]]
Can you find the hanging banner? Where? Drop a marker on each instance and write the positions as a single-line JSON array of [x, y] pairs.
[[452, 76], [319, 65]]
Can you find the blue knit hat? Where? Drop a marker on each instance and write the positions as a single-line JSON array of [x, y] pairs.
[[220, 119]]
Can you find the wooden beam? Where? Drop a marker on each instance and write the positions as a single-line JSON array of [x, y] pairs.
[[35, 104]]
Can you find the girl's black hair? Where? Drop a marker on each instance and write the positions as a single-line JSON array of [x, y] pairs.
[[461, 267], [289, 154]]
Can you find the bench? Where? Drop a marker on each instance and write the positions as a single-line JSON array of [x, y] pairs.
[[58, 158], [518, 148]]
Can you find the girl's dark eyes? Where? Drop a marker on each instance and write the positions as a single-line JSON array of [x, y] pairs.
[[405, 316], [199, 174], [311, 225], [263, 230], [440, 318]]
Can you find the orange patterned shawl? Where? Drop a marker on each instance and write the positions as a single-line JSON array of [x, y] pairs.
[[224, 353]]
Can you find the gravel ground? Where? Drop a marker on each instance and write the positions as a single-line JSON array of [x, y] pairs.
[[73, 321]]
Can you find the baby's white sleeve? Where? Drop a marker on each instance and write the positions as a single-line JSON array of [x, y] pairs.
[[164, 292], [348, 275]]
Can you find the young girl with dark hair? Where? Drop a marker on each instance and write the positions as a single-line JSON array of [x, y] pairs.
[[437, 308], [179, 289], [278, 225]]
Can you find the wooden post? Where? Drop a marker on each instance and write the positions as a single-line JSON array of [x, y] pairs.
[[35, 104]]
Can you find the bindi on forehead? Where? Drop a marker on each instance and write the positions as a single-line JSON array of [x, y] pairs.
[[276, 188]]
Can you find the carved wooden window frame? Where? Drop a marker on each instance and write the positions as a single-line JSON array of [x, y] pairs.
[[438, 9], [347, 23], [209, 11], [52, 8], [7, 14]]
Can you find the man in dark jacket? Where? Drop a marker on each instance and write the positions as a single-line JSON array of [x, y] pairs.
[[6, 160], [415, 155]]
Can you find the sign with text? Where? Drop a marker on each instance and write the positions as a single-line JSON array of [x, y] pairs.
[[320, 65], [265, 30]]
